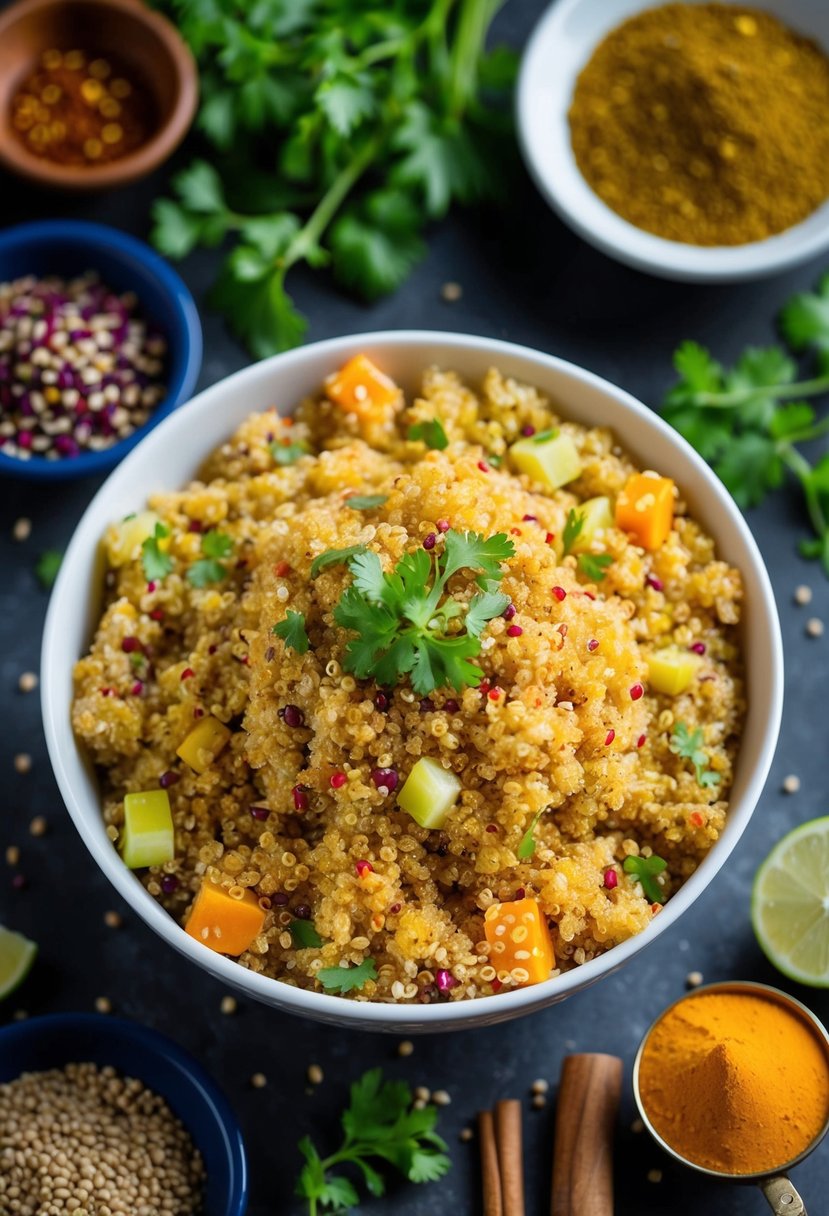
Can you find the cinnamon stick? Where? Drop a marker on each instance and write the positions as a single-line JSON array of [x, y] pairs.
[[508, 1139], [490, 1170], [588, 1102]]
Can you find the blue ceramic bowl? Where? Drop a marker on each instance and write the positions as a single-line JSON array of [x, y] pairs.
[[68, 247], [62, 1038]]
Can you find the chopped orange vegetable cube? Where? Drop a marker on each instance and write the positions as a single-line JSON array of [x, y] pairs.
[[645, 507], [520, 942], [203, 744], [361, 388], [225, 922]]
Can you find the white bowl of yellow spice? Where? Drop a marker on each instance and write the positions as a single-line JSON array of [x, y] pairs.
[[688, 140]]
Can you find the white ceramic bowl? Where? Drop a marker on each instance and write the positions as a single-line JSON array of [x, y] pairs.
[[171, 454], [560, 47]]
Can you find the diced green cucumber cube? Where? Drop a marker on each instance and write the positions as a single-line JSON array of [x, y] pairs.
[[553, 462], [597, 514], [123, 540], [670, 671], [429, 793], [148, 838]]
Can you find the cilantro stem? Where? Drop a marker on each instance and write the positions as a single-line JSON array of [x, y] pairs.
[[473, 23], [779, 392], [802, 470]]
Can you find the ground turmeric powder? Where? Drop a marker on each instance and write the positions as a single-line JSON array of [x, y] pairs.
[[707, 123], [734, 1081]]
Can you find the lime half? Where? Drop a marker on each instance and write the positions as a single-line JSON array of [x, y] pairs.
[[17, 954], [790, 904]]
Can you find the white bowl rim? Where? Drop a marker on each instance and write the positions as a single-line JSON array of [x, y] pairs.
[[598, 224], [379, 1015]]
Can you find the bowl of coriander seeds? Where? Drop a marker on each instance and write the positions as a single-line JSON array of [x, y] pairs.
[[99, 340]]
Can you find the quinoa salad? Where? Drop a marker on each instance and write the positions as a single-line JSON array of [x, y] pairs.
[[414, 700]]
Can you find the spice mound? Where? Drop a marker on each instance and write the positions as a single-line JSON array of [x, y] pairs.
[[84, 1139], [80, 367], [78, 108], [707, 124], [735, 1082]]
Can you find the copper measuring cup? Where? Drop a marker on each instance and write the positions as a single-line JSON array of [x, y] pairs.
[[782, 1197]]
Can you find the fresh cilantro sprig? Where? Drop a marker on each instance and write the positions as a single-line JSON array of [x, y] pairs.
[[210, 568], [347, 979], [747, 421], [645, 871], [292, 631], [304, 935], [380, 1124], [431, 433], [47, 567], [573, 528], [155, 561], [287, 453], [366, 502], [689, 746], [591, 565], [337, 132], [405, 621], [526, 848]]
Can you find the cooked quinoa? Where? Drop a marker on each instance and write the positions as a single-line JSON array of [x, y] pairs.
[[300, 798]]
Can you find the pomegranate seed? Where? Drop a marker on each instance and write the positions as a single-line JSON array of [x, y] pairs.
[[653, 581], [279, 898], [592, 645], [696, 819], [443, 525], [427, 705], [529, 519], [496, 985], [483, 466], [494, 694], [514, 631], [483, 687], [527, 430], [213, 648], [363, 868], [509, 612], [130, 645], [260, 812], [451, 706], [559, 593], [187, 674], [444, 980], [549, 538], [169, 884], [611, 879], [636, 692], [429, 541], [640, 742], [520, 893], [137, 688], [195, 525], [609, 737], [492, 827], [169, 778], [381, 702], [151, 588], [198, 712], [281, 569], [338, 780], [394, 909], [386, 778], [157, 614], [515, 531], [698, 647], [292, 715], [300, 798]]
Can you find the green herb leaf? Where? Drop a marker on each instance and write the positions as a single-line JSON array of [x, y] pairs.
[[804, 321], [47, 567], [366, 502], [303, 935], [688, 745], [285, 454], [156, 563], [347, 979], [206, 571], [216, 544], [333, 557], [645, 871], [573, 529], [545, 436], [594, 565], [292, 632], [527, 846], [431, 433]]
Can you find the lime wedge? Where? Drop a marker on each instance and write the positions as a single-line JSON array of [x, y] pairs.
[[790, 904], [17, 954]]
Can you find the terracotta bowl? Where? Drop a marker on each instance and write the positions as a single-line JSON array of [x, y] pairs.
[[143, 40]]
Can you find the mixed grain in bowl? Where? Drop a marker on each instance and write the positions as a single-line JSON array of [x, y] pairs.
[[481, 756]]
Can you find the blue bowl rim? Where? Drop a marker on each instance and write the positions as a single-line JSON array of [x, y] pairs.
[[186, 341], [161, 1045]]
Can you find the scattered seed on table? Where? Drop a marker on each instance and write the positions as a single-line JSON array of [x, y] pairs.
[[654, 1175], [315, 1074], [22, 529], [540, 1086], [803, 594], [791, 784], [422, 1094], [259, 1080], [12, 855], [113, 919], [419, 1104], [405, 1047], [538, 1101], [103, 1004], [27, 682], [20, 1015], [814, 627], [23, 762], [228, 1004], [38, 826], [451, 292], [637, 1127], [441, 1098], [693, 979], [466, 1134]]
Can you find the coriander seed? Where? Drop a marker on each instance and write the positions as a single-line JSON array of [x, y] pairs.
[[23, 762], [791, 784]]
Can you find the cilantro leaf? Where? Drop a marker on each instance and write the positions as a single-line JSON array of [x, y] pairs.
[[573, 529], [804, 320], [155, 561], [696, 368], [366, 502], [206, 571], [749, 467], [216, 544], [292, 632], [526, 848], [789, 421], [332, 557], [256, 304], [472, 551], [688, 745], [346, 100], [594, 565], [431, 433], [544, 436], [645, 871], [482, 608], [285, 454], [303, 935], [47, 567], [347, 979], [376, 244]]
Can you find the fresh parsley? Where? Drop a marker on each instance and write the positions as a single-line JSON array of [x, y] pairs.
[[303, 935], [747, 421], [380, 1124], [47, 567], [366, 502], [210, 569], [373, 119], [292, 632], [405, 622], [688, 745], [527, 846], [594, 565], [573, 528], [431, 433], [334, 557], [155, 561], [645, 871], [285, 454], [347, 979]]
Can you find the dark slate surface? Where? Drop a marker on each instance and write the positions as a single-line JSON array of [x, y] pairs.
[[525, 278]]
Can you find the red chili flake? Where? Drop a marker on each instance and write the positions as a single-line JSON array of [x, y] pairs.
[[443, 525], [108, 692], [169, 778], [611, 879], [137, 688], [260, 812], [515, 531], [549, 538], [509, 612], [187, 674], [300, 798], [527, 430], [198, 712], [609, 737], [562, 629], [281, 569], [653, 581], [195, 525], [589, 595], [592, 645], [636, 692], [483, 687], [514, 631], [363, 868], [496, 985], [429, 541], [483, 466], [492, 827], [150, 588], [157, 614], [494, 694], [559, 593], [698, 648], [394, 909], [529, 519], [640, 742], [697, 818], [129, 645], [338, 780]]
